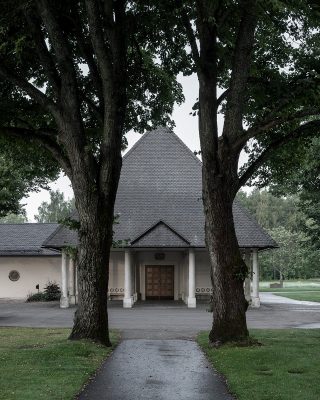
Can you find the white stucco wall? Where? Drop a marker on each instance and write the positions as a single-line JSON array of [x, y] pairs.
[[203, 281], [33, 271], [116, 274]]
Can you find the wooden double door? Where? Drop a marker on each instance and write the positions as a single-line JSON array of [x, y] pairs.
[[159, 281]]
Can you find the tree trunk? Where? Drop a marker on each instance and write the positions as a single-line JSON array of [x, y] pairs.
[[95, 239], [228, 270]]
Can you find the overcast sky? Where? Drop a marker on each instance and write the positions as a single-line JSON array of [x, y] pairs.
[[186, 129]]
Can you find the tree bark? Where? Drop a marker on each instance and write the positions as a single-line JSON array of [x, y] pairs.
[[95, 191], [219, 182], [95, 239], [228, 270]]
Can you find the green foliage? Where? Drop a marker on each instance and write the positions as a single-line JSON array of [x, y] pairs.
[[35, 297], [288, 224], [272, 211], [297, 173], [295, 257], [152, 88], [24, 168], [51, 292], [14, 219], [56, 210]]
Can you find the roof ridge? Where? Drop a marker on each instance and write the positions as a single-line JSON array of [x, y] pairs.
[[185, 147], [44, 243], [173, 135], [152, 227], [137, 143]]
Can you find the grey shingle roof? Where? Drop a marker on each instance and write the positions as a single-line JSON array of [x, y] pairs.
[[161, 181], [25, 239], [160, 235]]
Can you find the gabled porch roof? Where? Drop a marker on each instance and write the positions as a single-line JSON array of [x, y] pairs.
[[160, 235]]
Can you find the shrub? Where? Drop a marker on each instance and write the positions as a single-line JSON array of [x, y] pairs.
[[36, 297], [52, 291]]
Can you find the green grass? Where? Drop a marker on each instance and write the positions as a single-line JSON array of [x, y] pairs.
[[305, 296], [291, 289], [292, 286], [285, 367], [43, 364]]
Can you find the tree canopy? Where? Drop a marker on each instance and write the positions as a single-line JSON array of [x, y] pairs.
[[76, 76], [56, 209], [23, 169], [289, 225], [257, 65]]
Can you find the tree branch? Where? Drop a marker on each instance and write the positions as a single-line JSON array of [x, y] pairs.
[[87, 52], [272, 121], [100, 48], [93, 107], [45, 137], [42, 50], [30, 90], [306, 130], [240, 69], [63, 56], [222, 97], [190, 35]]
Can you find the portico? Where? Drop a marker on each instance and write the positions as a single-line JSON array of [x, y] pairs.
[[161, 251]]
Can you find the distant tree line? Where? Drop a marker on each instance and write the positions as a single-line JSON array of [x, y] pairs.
[[292, 221], [55, 210]]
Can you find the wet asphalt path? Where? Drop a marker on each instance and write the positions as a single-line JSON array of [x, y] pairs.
[[157, 370], [159, 321]]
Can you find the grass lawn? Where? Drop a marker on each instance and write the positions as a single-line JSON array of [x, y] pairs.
[[292, 286], [285, 367], [42, 364], [305, 296], [291, 289]]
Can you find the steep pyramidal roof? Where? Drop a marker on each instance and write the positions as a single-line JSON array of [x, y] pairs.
[[159, 199]]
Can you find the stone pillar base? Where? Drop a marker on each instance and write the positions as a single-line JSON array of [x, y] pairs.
[[72, 300], [64, 302], [192, 302], [255, 302], [127, 303]]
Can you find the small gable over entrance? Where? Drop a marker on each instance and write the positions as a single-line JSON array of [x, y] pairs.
[[160, 235]]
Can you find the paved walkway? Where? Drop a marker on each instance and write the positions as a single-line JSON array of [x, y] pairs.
[[157, 370], [271, 298], [160, 321]]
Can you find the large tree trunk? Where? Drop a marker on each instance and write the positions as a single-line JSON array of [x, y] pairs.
[[91, 317], [95, 238], [94, 199], [228, 270]]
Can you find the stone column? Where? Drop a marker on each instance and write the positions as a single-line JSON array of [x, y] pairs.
[[72, 281], [192, 303], [255, 280], [128, 300], [64, 300], [247, 282]]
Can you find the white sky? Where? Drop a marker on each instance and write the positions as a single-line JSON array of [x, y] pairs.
[[186, 129]]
